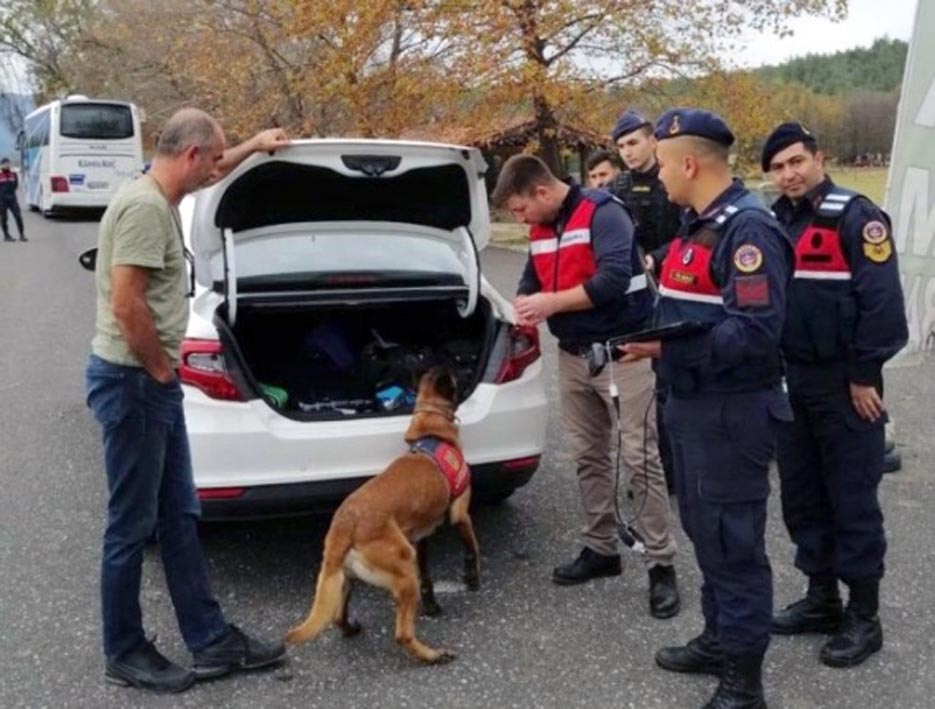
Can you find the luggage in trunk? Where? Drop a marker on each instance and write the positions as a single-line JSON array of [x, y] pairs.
[[314, 362]]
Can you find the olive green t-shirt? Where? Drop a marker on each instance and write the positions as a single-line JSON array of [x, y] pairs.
[[140, 228]]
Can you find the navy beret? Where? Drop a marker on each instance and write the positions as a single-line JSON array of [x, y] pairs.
[[693, 121], [628, 122], [781, 138]]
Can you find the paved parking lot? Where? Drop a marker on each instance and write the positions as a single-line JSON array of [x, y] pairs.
[[521, 641]]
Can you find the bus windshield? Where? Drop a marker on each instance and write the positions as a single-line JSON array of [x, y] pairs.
[[96, 121]]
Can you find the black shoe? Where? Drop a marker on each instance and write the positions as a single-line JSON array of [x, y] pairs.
[[892, 461], [235, 651], [146, 668], [7, 237], [861, 634], [664, 599], [701, 655], [741, 685], [819, 612], [22, 238], [589, 565]]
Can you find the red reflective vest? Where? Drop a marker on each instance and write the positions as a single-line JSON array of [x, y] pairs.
[[567, 260], [686, 273], [819, 255]]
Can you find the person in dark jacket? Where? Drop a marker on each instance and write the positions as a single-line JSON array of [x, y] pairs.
[[9, 183], [638, 187], [585, 278], [728, 271], [846, 318]]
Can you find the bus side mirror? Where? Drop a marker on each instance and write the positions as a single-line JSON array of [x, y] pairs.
[[88, 259]]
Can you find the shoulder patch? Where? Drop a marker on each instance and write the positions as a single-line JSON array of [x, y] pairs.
[[875, 232], [748, 258], [752, 291], [878, 253]]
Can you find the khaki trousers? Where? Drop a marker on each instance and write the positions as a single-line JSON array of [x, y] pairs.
[[589, 420]]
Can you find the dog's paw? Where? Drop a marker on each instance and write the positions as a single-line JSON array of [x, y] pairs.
[[472, 580], [444, 657], [431, 608], [350, 629]]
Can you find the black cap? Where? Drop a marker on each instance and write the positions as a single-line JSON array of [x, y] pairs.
[[781, 138]]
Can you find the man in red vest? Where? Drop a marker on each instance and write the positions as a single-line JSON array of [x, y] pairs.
[[585, 278]]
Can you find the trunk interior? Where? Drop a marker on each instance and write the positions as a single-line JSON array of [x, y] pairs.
[[314, 362]]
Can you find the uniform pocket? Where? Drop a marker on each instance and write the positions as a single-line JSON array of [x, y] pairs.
[[738, 452]]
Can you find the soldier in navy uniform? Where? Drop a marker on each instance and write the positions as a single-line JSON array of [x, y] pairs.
[[846, 318], [8, 185], [728, 271], [657, 221]]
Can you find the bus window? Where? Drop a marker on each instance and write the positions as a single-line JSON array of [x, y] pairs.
[[95, 121]]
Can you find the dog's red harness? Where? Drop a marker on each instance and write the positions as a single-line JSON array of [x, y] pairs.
[[449, 461]]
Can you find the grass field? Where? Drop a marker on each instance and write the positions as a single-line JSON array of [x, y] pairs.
[[870, 181]]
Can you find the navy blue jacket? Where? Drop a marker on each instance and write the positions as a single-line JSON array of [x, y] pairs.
[[859, 319], [614, 312], [751, 265]]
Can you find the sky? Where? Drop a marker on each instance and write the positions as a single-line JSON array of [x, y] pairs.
[[866, 20]]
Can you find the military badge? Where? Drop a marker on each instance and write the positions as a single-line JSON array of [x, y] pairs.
[[674, 127], [748, 258], [879, 253], [875, 232]]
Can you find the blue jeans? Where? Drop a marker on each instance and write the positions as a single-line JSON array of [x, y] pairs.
[[151, 492]]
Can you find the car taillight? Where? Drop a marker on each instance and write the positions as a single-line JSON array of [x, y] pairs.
[[523, 350], [220, 493], [203, 367], [59, 183]]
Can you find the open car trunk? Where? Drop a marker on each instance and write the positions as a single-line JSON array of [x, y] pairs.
[[339, 361]]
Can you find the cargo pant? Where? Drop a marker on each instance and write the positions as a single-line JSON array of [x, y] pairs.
[[722, 445], [590, 422]]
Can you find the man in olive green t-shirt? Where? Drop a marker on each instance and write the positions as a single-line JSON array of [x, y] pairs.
[[134, 392]]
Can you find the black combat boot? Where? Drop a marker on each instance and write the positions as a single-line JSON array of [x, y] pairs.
[[819, 612], [701, 655], [589, 565], [741, 685], [664, 599], [861, 634]]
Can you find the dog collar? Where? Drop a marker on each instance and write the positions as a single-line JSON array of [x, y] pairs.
[[449, 461]]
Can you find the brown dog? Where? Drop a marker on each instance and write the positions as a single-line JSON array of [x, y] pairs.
[[372, 533]]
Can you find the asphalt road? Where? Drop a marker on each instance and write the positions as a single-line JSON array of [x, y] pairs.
[[521, 642]]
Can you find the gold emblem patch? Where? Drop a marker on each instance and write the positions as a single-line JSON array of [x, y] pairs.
[[674, 126], [875, 232], [748, 258], [879, 253]]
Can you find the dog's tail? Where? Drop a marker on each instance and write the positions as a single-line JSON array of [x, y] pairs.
[[329, 590]]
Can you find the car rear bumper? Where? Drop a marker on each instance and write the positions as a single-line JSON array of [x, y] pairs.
[[266, 501]]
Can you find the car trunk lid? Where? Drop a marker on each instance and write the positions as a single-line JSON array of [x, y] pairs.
[[345, 220]]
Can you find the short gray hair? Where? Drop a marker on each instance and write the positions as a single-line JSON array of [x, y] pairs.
[[188, 127]]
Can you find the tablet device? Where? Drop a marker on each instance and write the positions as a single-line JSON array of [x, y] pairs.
[[682, 328]]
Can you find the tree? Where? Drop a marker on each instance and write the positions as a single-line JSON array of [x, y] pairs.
[[551, 54], [42, 32]]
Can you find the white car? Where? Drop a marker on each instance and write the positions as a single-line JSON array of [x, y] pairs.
[[328, 274]]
